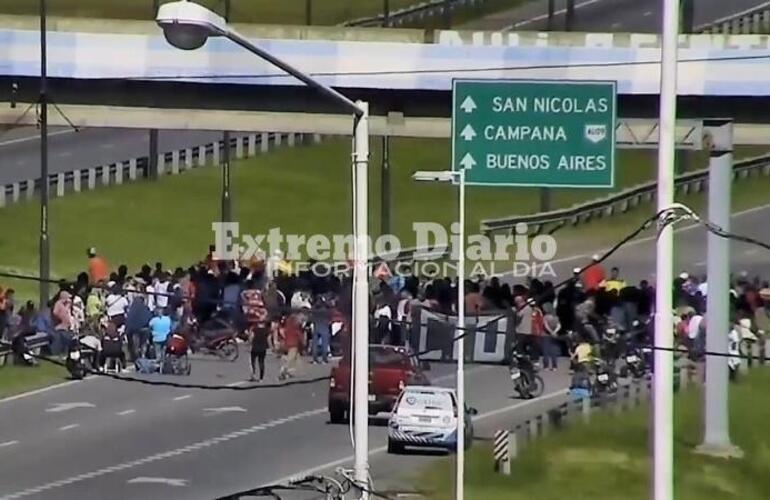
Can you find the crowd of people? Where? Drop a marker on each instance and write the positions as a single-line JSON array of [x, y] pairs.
[[308, 313]]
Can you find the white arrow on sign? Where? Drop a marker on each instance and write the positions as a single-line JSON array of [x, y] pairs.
[[159, 480], [468, 133], [226, 409], [60, 407], [468, 162], [468, 105]]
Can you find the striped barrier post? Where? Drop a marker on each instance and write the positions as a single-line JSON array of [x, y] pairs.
[[175, 162], [278, 138], [15, 191], [239, 148], [188, 161], [215, 156], [119, 173], [291, 139], [91, 178], [252, 149], [76, 181], [60, 184], [132, 169], [533, 429], [264, 142], [30, 189], [201, 156], [105, 175], [501, 452], [2, 196], [161, 164]]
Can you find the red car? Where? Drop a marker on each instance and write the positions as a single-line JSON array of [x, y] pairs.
[[391, 368]]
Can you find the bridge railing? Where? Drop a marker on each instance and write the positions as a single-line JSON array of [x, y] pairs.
[[550, 222], [754, 21], [430, 9]]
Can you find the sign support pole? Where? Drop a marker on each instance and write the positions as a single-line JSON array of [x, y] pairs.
[[460, 479]]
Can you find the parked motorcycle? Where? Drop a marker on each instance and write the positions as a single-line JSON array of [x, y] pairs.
[[216, 337], [605, 378], [78, 361]]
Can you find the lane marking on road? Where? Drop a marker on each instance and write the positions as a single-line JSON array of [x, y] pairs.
[[107, 145], [8, 443], [159, 480], [751, 251], [543, 17], [61, 407], [43, 389], [383, 449], [126, 412], [36, 137], [64, 154], [181, 398], [37, 490], [648, 13], [68, 427], [232, 409], [700, 263], [236, 384]]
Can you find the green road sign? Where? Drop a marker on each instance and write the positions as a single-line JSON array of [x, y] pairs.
[[534, 133]]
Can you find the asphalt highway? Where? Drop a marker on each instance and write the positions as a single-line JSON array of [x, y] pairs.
[[70, 150], [634, 16], [108, 439]]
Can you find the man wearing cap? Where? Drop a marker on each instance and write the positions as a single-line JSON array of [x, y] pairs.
[[98, 270]]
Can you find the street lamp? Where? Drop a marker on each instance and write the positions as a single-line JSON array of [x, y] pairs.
[[457, 177], [188, 26]]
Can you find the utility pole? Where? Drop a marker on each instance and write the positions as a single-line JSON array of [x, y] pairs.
[[227, 10], [227, 207], [716, 439], [152, 160], [45, 243], [385, 196], [386, 13], [569, 18], [663, 378], [309, 12], [551, 13], [688, 16]]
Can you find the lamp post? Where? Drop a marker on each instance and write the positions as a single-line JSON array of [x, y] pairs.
[[663, 383], [457, 177], [187, 26], [44, 248]]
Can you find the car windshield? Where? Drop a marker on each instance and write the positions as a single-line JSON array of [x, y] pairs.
[[385, 358], [426, 400]]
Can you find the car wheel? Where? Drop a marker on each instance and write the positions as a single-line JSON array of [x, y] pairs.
[[395, 447], [336, 415]]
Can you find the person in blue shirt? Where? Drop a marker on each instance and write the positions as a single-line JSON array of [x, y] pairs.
[[160, 327]]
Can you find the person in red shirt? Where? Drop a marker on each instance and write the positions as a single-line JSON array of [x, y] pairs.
[[593, 276], [293, 340]]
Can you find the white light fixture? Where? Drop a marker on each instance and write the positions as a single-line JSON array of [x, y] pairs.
[[434, 176], [187, 25]]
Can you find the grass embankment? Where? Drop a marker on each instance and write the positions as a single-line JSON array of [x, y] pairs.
[[324, 12], [302, 190], [18, 379], [609, 458]]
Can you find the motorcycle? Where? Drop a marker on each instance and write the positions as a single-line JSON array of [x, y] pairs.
[[216, 337], [524, 376], [605, 378], [77, 361], [636, 363]]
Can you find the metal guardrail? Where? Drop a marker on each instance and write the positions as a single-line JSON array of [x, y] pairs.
[[34, 343], [754, 21], [551, 222], [412, 13]]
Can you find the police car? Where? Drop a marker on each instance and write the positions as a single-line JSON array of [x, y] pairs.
[[426, 417]]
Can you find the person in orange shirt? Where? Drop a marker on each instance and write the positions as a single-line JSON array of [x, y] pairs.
[[98, 270], [594, 275]]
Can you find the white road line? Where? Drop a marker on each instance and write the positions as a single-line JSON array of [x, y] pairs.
[[236, 384], [64, 154], [700, 263], [42, 390], [37, 490], [107, 145], [126, 412], [181, 398], [8, 443], [751, 251], [36, 137], [383, 449], [543, 17], [159, 480], [68, 427], [648, 13]]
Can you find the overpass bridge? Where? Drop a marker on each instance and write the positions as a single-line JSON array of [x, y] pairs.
[[133, 79]]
